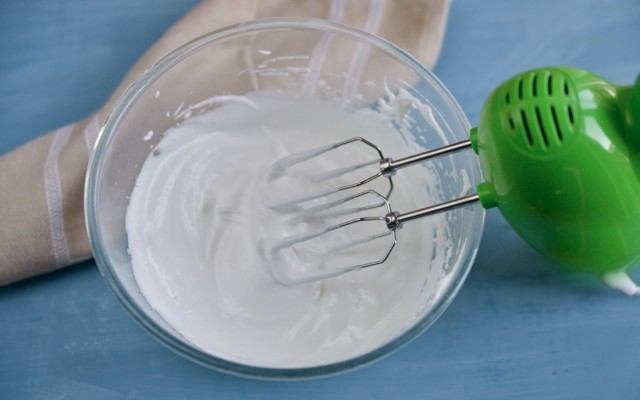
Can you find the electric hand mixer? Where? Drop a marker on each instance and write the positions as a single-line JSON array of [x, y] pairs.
[[560, 151]]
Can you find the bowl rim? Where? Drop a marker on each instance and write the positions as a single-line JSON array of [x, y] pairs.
[[133, 92]]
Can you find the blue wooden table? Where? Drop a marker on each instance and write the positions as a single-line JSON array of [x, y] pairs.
[[519, 329]]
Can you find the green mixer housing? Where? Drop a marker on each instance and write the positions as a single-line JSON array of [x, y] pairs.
[[560, 152]]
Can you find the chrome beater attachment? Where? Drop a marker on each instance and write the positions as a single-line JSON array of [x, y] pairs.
[[324, 266]]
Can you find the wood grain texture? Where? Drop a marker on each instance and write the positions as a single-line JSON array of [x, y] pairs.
[[519, 327]]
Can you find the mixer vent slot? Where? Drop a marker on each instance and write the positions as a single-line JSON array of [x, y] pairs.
[[525, 125], [570, 113], [520, 89], [545, 139], [556, 125]]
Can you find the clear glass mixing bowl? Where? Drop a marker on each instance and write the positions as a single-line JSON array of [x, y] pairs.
[[307, 57]]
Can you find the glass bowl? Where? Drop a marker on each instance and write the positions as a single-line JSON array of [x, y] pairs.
[[307, 57]]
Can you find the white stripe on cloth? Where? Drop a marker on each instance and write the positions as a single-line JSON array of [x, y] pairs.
[[319, 55], [53, 193], [371, 25], [91, 133]]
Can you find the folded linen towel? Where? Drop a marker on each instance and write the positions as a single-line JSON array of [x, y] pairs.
[[42, 222]]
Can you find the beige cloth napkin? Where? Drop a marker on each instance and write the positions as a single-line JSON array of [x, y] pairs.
[[41, 183]]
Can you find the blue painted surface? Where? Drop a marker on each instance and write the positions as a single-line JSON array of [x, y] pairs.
[[519, 327]]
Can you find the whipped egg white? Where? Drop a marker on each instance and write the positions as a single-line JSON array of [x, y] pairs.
[[199, 227]]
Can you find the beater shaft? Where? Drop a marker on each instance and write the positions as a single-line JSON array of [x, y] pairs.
[[389, 166], [395, 220]]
